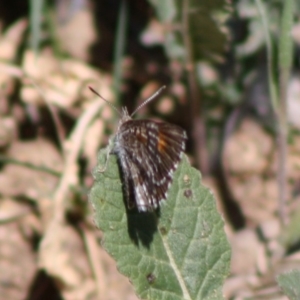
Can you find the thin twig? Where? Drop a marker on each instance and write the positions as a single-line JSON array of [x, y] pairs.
[[284, 65], [45, 169], [271, 71], [92, 251], [57, 123], [71, 153]]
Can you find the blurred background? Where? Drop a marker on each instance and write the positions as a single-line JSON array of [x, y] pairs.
[[215, 61]]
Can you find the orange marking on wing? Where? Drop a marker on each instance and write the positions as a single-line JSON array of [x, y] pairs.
[[162, 145], [142, 139]]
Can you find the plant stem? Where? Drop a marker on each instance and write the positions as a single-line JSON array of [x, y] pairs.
[[198, 124], [284, 65]]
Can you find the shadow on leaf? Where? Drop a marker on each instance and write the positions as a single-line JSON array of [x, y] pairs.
[[142, 226]]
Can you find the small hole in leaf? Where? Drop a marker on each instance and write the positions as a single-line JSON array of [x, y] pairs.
[[188, 193], [163, 230], [151, 278]]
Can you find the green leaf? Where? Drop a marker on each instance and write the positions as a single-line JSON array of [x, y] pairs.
[[290, 234], [180, 252], [289, 283], [206, 27], [36, 14]]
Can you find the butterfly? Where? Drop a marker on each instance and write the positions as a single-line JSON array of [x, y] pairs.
[[148, 153]]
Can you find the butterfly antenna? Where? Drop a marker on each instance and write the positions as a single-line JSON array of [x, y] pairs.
[[149, 99], [109, 103]]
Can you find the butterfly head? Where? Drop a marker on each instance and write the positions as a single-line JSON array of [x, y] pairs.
[[124, 117]]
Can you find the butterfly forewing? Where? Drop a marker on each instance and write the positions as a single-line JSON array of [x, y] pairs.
[[149, 153]]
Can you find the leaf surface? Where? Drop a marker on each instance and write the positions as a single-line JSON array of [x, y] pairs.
[[289, 283], [179, 252]]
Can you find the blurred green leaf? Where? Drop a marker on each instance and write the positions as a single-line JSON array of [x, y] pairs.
[[263, 19], [207, 29], [178, 253], [36, 9], [119, 49], [289, 283], [290, 235]]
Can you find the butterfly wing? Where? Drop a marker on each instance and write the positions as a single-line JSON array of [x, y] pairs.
[[149, 153]]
